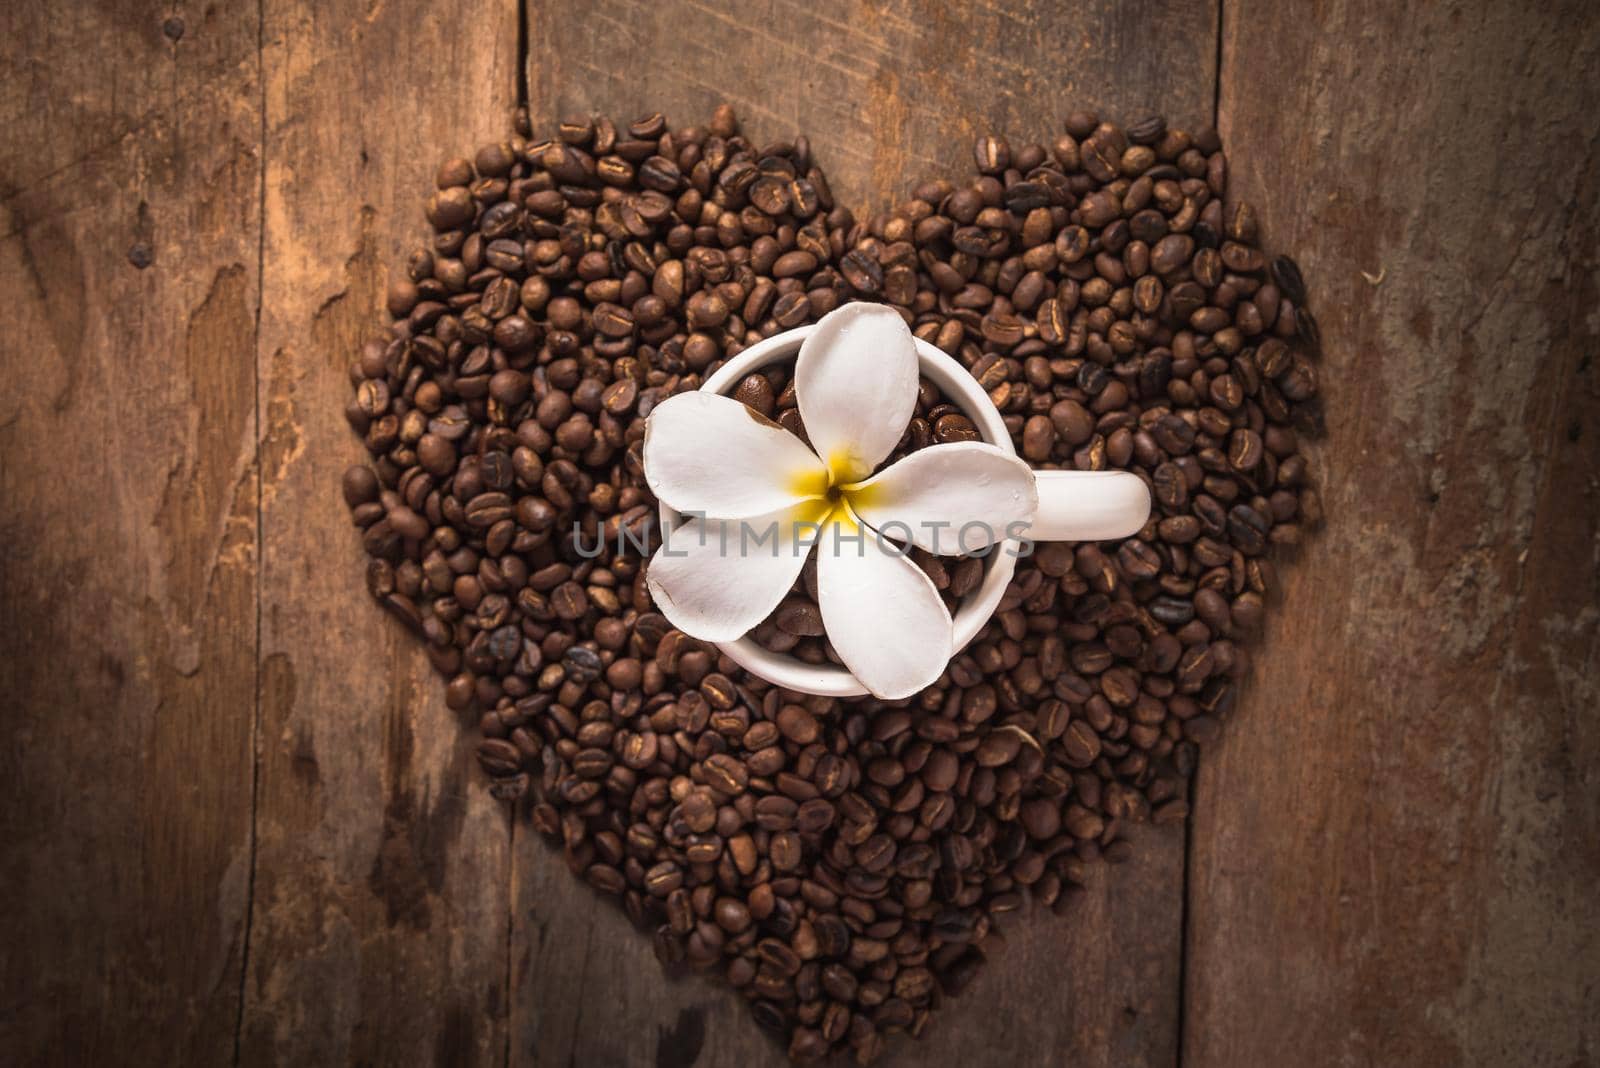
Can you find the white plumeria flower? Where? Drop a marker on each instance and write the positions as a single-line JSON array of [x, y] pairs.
[[740, 476]]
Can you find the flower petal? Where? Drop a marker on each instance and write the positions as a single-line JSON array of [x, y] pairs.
[[713, 456], [881, 611], [716, 579], [856, 384], [949, 499]]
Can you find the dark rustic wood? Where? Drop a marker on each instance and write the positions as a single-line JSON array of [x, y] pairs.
[[1097, 986], [240, 824], [379, 933], [1397, 865], [888, 94], [127, 531]]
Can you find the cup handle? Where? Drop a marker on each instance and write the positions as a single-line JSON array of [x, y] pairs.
[[1089, 505]]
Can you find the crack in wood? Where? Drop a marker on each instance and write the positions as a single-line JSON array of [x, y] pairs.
[[255, 716]]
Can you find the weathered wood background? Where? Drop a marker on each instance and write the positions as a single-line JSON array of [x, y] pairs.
[[238, 823]]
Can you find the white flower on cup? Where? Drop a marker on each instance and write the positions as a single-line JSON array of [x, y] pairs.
[[759, 500]]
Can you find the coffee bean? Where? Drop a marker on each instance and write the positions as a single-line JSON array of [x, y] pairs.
[[1138, 560], [719, 691], [1245, 449], [360, 485], [1080, 743], [499, 757], [1286, 273], [785, 851], [955, 427], [798, 724], [755, 391], [792, 264], [451, 208], [569, 601], [992, 154], [799, 617], [1171, 254], [862, 271], [732, 915], [1148, 131], [1308, 332], [998, 748], [698, 812], [1038, 438], [1041, 817], [726, 774]]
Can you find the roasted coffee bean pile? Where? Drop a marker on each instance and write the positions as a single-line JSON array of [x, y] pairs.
[[842, 863]]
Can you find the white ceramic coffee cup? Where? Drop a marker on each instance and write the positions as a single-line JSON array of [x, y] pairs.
[[1066, 512]]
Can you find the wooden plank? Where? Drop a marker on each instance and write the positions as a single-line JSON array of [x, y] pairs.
[[888, 96], [129, 236], [1395, 847], [888, 93], [380, 913], [1096, 986]]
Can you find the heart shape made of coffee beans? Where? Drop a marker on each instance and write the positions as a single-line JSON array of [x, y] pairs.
[[841, 861]]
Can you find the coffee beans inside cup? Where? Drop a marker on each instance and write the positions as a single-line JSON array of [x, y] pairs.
[[843, 864]]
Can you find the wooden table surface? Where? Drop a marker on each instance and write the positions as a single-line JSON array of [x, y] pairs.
[[239, 824]]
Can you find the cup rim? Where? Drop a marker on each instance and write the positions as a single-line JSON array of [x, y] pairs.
[[832, 680]]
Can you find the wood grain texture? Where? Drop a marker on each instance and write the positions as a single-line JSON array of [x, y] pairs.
[[889, 94], [1097, 986], [380, 909], [239, 824], [127, 531], [1397, 864]]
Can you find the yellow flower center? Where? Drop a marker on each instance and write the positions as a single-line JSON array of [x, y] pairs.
[[837, 488]]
